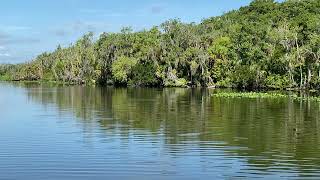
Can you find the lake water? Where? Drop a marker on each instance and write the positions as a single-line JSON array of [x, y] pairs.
[[52, 132]]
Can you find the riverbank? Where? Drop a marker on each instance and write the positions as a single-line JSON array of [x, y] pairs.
[[288, 89], [220, 92]]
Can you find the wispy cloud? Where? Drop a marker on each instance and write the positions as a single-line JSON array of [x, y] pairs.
[[17, 28], [6, 39], [3, 36], [151, 9], [80, 27], [11, 28], [114, 14], [103, 13], [19, 40], [5, 55], [89, 11], [61, 33], [157, 8], [154, 9]]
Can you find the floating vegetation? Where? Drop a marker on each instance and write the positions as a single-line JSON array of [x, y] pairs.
[[255, 95]]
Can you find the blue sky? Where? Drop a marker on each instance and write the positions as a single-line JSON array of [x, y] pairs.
[[28, 28]]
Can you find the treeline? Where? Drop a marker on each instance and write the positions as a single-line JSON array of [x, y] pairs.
[[264, 45]]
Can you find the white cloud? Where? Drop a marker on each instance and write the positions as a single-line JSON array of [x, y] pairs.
[[2, 47], [18, 28], [114, 15], [89, 11], [157, 8], [10, 28], [5, 55], [104, 13], [80, 27]]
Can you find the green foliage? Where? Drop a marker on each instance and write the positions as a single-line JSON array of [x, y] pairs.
[[264, 45], [220, 48], [5, 77], [277, 81], [144, 75], [244, 76], [122, 68]]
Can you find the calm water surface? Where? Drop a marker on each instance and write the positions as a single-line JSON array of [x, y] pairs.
[[50, 132]]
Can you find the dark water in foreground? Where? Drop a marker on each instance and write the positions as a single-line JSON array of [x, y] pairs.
[[105, 133]]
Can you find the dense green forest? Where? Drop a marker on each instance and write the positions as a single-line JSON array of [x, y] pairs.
[[266, 44]]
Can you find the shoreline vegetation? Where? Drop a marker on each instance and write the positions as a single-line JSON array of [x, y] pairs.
[[265, 95], [227, 93], [265, 45]]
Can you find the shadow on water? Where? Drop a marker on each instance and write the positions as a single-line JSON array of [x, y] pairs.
[[272, 135]]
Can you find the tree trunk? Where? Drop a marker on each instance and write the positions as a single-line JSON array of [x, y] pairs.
[[309, 77], [301, 77]]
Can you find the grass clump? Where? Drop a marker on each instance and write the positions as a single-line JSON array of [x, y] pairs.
[[250, 95], [255, 95]]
